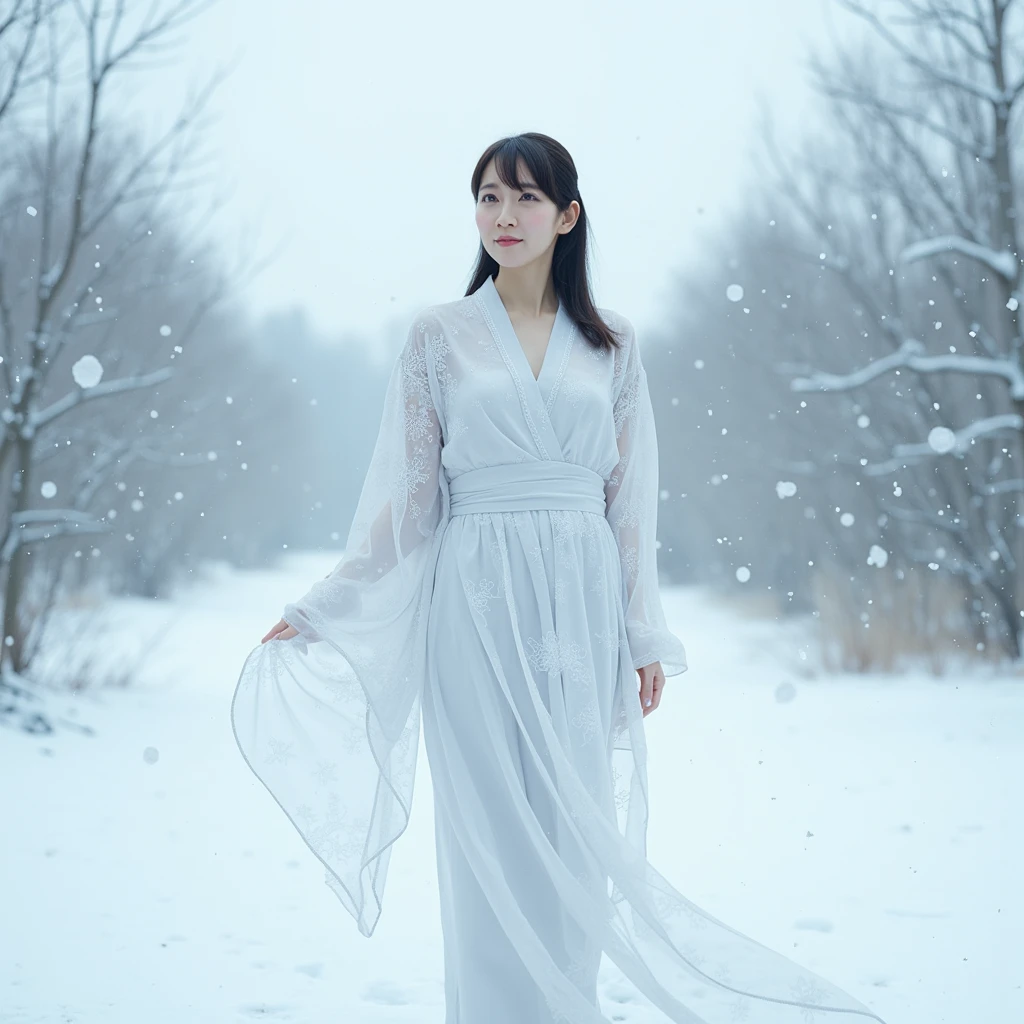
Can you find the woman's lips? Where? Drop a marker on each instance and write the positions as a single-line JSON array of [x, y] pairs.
[[509, 241]]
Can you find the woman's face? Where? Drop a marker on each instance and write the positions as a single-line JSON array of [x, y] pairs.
[[529, 216]]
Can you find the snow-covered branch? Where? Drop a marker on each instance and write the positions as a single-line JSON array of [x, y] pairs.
[[71, 521], [79, 395], [1005, 486], [960, 442], [910, 355], [918, 515], [1003, 263]]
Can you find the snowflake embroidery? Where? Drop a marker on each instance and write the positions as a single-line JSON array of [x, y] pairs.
[[697, 920], [554, 653], [280, 752], [628, 377], [419, 423], [723, 973], [609, 639], [536, 555], [627, 405], [573, 390], [620, 721], [322, 834], [569, 524], [480, 593], [739, 1010], [325, 771], [409, 475], [593, 544], [616, 478], [346, 690], [456, 428], [622, 799], [666, 905], [339, 846], [352, 737], [587, 721], [446, 381], [630, 562], [414, 361], [627, 513], [808, 992]]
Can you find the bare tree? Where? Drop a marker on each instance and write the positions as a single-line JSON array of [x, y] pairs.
[[84, 183], [919, 226], [20, 21]]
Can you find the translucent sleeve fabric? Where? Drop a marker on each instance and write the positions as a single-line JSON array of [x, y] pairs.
[[329, 720], [631, 495]]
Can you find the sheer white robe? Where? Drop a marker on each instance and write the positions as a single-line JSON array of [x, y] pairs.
[[500, 576]]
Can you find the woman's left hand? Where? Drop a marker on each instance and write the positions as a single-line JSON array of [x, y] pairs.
[[652, 681]]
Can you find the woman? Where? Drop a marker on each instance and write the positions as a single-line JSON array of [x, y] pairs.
[[500, 575]]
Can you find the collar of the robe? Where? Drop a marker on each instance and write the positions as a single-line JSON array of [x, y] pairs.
[[536, 394]]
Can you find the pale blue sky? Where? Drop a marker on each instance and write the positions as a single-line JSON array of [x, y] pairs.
[[350, 132]]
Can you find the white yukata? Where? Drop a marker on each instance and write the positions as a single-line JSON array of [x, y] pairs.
[[500, 577]]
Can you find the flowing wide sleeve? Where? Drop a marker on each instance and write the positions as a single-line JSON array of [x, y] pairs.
[[329, 719], [631, 496]]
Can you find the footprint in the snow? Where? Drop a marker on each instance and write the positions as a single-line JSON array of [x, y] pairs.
[[387, 993], [267, 1011], [813, 924], [313, 970]]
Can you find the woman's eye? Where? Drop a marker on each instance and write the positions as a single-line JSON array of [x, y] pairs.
[[490, 195]]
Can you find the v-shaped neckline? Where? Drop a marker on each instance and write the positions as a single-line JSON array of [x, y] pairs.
[[498, 310], [536, 394]]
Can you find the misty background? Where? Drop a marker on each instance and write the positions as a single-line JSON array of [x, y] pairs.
[[217, 217]]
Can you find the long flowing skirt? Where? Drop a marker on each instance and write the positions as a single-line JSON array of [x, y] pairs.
[[524, 646], [534, 737]]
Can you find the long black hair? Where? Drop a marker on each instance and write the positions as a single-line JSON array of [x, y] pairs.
[[555, 174]]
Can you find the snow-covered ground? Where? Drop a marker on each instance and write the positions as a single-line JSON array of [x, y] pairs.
[[868, 827]]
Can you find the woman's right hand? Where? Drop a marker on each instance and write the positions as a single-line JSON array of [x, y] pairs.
[[280, 631]]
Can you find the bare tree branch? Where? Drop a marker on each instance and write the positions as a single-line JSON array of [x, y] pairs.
[[909, 356]]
